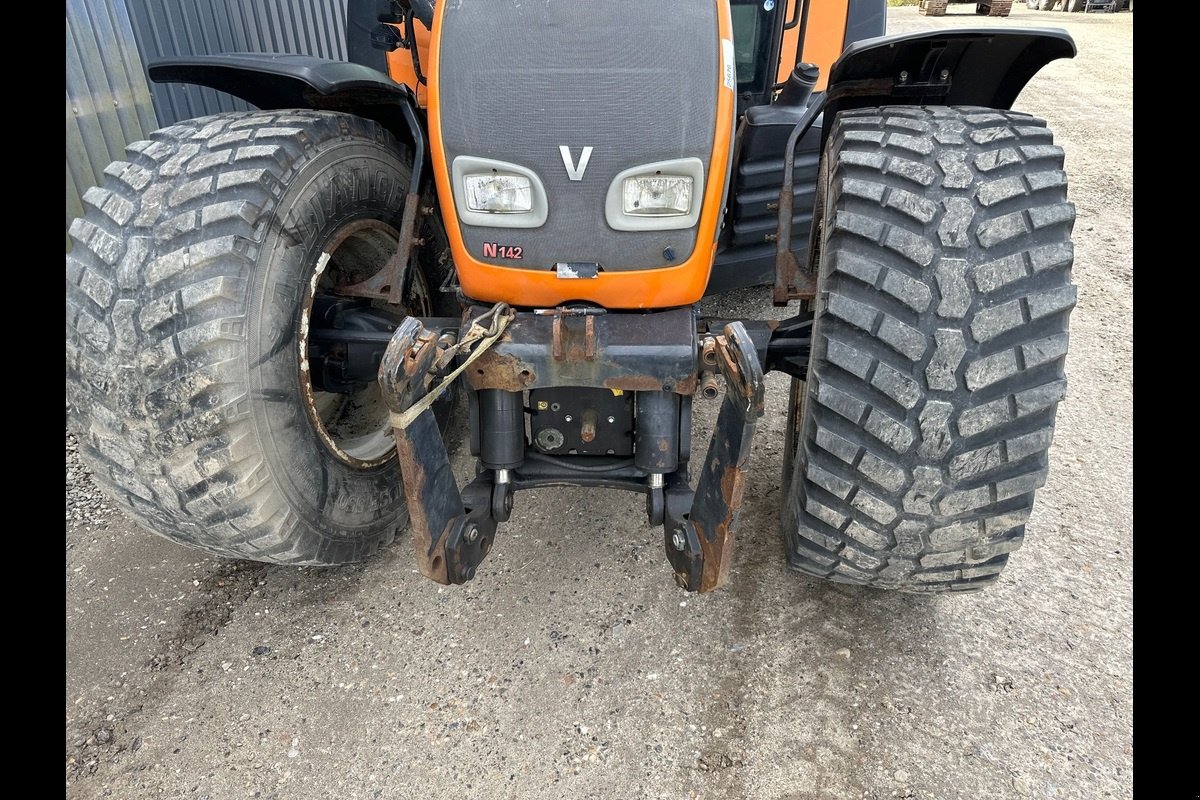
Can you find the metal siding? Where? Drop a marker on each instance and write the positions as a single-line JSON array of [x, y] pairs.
[[165, 28], [108, 100]]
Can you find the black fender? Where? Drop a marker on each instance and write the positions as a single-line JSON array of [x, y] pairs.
[[962, 67], [272, 81], [985, 67]]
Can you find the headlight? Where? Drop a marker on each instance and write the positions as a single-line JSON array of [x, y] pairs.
[[499, 194], [657, 195], [663, 196]]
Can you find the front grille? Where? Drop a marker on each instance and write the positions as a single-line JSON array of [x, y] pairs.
[[635, 81]]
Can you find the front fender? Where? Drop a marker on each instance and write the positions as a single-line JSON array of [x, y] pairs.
[[271, 80], [276, 80], [963, 67]]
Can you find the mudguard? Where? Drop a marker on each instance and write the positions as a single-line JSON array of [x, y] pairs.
[[273, 80], [964, 67]]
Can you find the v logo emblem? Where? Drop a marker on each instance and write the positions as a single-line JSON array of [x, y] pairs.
[[575, 171]]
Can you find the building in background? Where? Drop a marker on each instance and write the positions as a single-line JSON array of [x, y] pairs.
[[110, 100]]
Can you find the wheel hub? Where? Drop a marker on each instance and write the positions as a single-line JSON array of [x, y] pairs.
[[342, 341]]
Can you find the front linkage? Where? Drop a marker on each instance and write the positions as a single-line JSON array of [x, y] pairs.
[[609, 406]]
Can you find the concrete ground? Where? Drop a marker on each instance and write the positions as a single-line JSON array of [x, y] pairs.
[[572, 667]]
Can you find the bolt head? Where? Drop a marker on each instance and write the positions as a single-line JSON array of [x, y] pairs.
[[678, 540], [471, 534], [567, 418], [611, 420]]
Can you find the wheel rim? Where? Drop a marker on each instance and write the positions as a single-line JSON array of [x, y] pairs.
[[356, 427]]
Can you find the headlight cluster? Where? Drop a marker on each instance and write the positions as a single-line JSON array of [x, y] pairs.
[[665, 195], [657, 195], [499, 194]]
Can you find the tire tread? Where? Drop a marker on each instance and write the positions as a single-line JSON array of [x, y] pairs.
[[939, 348]]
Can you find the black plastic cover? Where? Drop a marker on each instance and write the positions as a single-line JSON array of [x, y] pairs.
[[985, 66], [272, 80]]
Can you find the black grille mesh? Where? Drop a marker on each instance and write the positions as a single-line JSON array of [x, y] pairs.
[[637, 81]]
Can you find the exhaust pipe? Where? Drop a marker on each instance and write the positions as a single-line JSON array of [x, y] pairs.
[[799, 86]]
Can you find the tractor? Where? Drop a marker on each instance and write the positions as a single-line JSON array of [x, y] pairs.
[[491, 228]]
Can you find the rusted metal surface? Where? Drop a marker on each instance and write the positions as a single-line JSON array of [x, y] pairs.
[[307, 391], [587, 428], [429, 486], [452, 531], [589, 338], [388, 282], [398, 264], [649, 383], [417, 484], [629, 352], [790, 281], [710, 387], [565, 344], [558, 348], [721, 488]]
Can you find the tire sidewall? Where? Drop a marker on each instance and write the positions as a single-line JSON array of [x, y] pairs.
[[343, 181]]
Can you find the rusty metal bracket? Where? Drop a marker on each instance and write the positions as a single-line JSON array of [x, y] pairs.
[[790, 281], [388, 282], [452, 531], [548, 348], [700, 544], [561, 333]]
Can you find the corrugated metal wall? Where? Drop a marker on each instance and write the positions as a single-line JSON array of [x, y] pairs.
[[191, 27], [108, 101]]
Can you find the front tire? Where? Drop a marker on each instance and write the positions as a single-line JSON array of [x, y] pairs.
[[939, 346], [189, 290]]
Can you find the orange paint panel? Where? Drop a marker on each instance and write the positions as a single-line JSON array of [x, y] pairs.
[[400, 64], [824, 42], [658, 288]]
